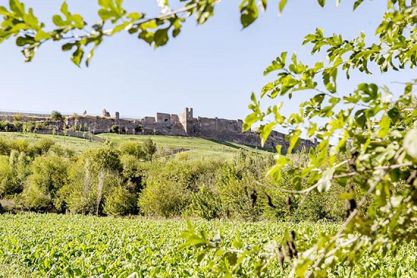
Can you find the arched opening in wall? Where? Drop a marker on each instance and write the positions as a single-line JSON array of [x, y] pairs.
[[165, 120]]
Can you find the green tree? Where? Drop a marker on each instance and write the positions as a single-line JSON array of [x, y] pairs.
[[92, 178], [367, 138], [48, 176], [8, 181], [57, 116], [120, 202], [132, 148], [149, 148]]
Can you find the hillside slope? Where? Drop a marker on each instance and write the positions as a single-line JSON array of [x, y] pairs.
[[193, 147]]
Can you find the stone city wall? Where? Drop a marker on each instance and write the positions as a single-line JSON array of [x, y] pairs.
[[183, 124]]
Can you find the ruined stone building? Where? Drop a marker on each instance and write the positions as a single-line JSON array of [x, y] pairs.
[[184, 124]]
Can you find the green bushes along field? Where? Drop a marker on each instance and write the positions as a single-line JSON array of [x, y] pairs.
[[139, 178]]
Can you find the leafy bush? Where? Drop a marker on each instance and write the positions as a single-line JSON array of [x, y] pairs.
[[132, 148], [56, 116], [41, 146], [48, 175], [8, 180], [120, 202], [149, 148], [206, 203], [92, 178], [169, 186]]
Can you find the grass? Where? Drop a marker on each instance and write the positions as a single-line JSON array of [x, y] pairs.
[[197, 148], [76, 144]]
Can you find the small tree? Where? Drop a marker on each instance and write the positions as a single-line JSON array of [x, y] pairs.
[[56, 116], [120, 202], [149, 148]]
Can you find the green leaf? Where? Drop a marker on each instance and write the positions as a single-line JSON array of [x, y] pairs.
[[357, 4], [58, 21], [248, 12], [78, 21], [17, 7], [384, 126], [77, 56], [161, 37], [321, 2], [294, 137], [22, 41], [266, 131], [282, 5], [325, 181], [410, 143]]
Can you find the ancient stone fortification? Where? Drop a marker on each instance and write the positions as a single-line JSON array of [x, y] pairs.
[[184, 124]]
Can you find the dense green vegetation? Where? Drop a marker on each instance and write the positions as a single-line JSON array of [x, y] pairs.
[[190, 147], [35, 245], [137, 176]]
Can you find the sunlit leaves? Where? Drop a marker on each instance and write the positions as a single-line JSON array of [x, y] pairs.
[[384, 126], [325, 181], [366, 129], [410, 143], [69, 20], [72, 28], [277, 64]]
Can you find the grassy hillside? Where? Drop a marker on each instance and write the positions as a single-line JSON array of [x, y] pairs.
[[196, 147], [75, 144]]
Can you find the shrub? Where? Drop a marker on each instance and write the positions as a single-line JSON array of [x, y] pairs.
[[8, 180], [149, 148], [28, 127], [169, 187], [56, 116], [120, 202], [92, 178], [48, 175], [206, 203], [4, 147], [133, 149], [168, 199], [41, 147]]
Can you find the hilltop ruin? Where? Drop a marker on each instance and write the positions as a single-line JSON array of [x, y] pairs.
[[184, 124]]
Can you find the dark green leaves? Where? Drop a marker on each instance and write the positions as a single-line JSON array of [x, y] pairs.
[[161, 37], [321, 2], [248, 12]]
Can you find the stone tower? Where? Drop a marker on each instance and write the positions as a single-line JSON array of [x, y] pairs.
[[186, 119]]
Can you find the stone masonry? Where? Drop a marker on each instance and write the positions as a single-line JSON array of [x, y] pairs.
[[184, 124]]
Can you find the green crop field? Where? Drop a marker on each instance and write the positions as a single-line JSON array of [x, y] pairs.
[[195, 148], [36, 245]]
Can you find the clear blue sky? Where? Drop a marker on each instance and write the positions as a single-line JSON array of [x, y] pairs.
[[212, 68]]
